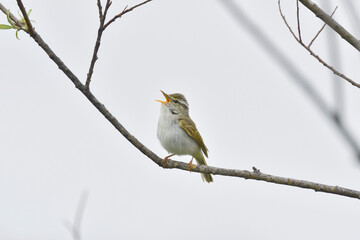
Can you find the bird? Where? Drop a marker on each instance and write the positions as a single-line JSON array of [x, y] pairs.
[[178, 134]]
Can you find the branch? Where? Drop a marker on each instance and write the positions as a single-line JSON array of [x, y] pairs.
[[102, 17], [102, 27], [126, 10], [315, 55], [255, 175], [347, 36], [322, 28], [12, 17], [298, 19], [26, 17], [75, 227]]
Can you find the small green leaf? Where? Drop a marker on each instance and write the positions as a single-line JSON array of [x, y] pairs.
[[17, 34], [3, 26], [9, 20]]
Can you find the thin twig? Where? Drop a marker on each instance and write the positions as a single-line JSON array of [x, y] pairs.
[[180, 165], [102, 27], [347, 36], [102, 17], [298, 19], [126, 10], [287, 25], [75, 227], [107, 6], [100, 9], [30, 28], [317, 34], [315, 55], [12, 17]]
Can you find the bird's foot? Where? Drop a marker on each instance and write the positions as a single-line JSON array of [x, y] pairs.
[[163, 162], [190, 166]]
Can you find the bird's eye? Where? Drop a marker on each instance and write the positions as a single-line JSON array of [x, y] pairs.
[[176, 101]]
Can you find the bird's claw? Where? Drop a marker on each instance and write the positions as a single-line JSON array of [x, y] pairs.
[[190, 166], [163, 162]]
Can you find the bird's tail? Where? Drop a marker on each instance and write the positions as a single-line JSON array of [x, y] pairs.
[[200, 160]]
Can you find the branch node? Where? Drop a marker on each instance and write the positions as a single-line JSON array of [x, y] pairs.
[[126, 10], [30, 28], [318, 33]]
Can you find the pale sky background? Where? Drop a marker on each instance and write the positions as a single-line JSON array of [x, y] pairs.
[[54, 144]]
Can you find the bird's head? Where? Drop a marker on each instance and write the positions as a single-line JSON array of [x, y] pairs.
[[176, 103]]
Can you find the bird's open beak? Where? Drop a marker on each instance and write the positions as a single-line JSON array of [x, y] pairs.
[[167, 98]]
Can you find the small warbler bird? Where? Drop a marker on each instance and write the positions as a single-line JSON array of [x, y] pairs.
[[178, 134]]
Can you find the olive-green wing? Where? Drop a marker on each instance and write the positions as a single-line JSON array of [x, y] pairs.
[[190, 128]]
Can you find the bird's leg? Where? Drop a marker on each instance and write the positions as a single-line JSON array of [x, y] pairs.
[[190, 166], [163, 162]]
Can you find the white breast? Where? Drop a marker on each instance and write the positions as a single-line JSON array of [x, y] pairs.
[[172, 137]]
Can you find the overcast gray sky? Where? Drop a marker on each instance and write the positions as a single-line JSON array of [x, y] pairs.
[[55, 145]]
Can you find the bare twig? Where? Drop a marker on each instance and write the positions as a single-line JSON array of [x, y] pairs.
[[126, 10], [102, 17], [75, 227], [298, 19], [315, 55], [287, 25], [107, 6], [99, 8], [180, 165], [102, 27], [317, 34], [347, 36]]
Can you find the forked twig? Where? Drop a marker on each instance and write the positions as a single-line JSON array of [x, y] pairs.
[[315, 55], [102, 17], [317, 34], [30, 28], [102, 27], [126, 10]]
